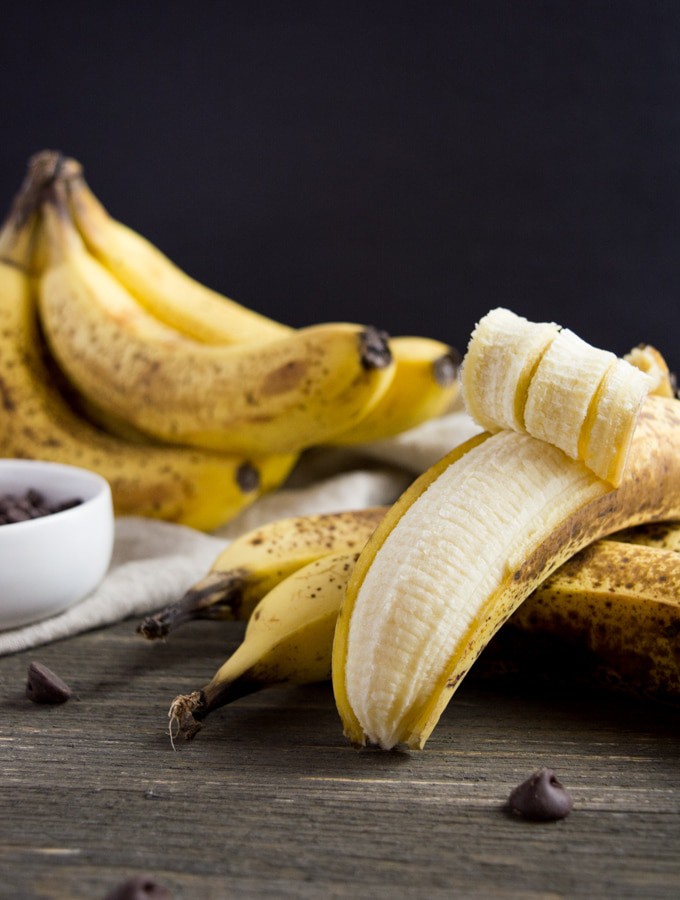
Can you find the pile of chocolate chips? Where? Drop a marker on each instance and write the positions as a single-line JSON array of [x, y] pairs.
[[30, 505]]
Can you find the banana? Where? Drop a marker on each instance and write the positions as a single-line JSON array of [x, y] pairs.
[[611, 611], [562, 391], [254, 563], [502, 355], [620, 602], [649, 360], [663, 535], [461, 550], [256, 399], [538, 379], [288, 639], [197, 488], [425, 385], [158, 284]]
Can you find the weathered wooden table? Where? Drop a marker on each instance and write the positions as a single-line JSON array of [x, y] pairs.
[[270, 801]]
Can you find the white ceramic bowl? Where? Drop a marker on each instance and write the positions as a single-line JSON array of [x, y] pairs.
[[49, 563]]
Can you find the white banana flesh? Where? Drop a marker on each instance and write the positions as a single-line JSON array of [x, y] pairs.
[[501, 358], [461, 539], [562, 390], [537, 379], [606, 445], [650, 361]]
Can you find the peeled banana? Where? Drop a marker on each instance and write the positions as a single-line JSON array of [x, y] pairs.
[[197, 488], [257, 561], [460, 551], [618, 600]]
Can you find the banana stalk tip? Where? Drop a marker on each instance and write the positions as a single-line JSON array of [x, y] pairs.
[[374, 348], [181, 715]]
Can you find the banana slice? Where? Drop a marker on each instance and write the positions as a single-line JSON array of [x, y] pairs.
[[539, 379], [607, 444], [500, 361], [562, 390]]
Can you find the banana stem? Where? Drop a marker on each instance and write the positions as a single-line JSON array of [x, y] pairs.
[[17, 232], [217, 597], [374, 348], [85, 205], [188, 710], [60, 230]]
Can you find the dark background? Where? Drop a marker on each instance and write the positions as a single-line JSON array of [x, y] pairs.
[[409, 165]]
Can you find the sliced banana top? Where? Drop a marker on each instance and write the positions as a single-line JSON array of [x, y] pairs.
[[543, 380]]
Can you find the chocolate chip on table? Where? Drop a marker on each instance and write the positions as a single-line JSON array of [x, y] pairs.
[[541, 798], [45, 686], [139, 887], [31, 505]]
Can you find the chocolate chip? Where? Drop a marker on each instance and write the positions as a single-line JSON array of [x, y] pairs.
[[45, 686], [32, 505], [139, 887], [34, 497], [541, 798]]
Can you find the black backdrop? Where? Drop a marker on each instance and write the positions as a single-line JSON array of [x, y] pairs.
[[409, 165]]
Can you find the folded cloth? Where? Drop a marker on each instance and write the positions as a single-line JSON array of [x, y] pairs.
[[154, 562]]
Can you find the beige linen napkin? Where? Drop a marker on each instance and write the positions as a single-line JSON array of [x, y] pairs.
[[154, 563]]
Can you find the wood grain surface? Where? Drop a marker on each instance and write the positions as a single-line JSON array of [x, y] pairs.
[[270, 801]]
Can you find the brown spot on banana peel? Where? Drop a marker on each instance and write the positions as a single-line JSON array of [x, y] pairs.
[[6, 398], [650, 491], [284, 379]]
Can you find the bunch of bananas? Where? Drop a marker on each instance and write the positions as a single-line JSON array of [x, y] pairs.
[[615, 604], [507, 528], [190, 404]]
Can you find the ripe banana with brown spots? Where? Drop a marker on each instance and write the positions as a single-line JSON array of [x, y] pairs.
[[279, 397], [199, 488], [425, 383], [254, 563], [618, 601], [166, 292]]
